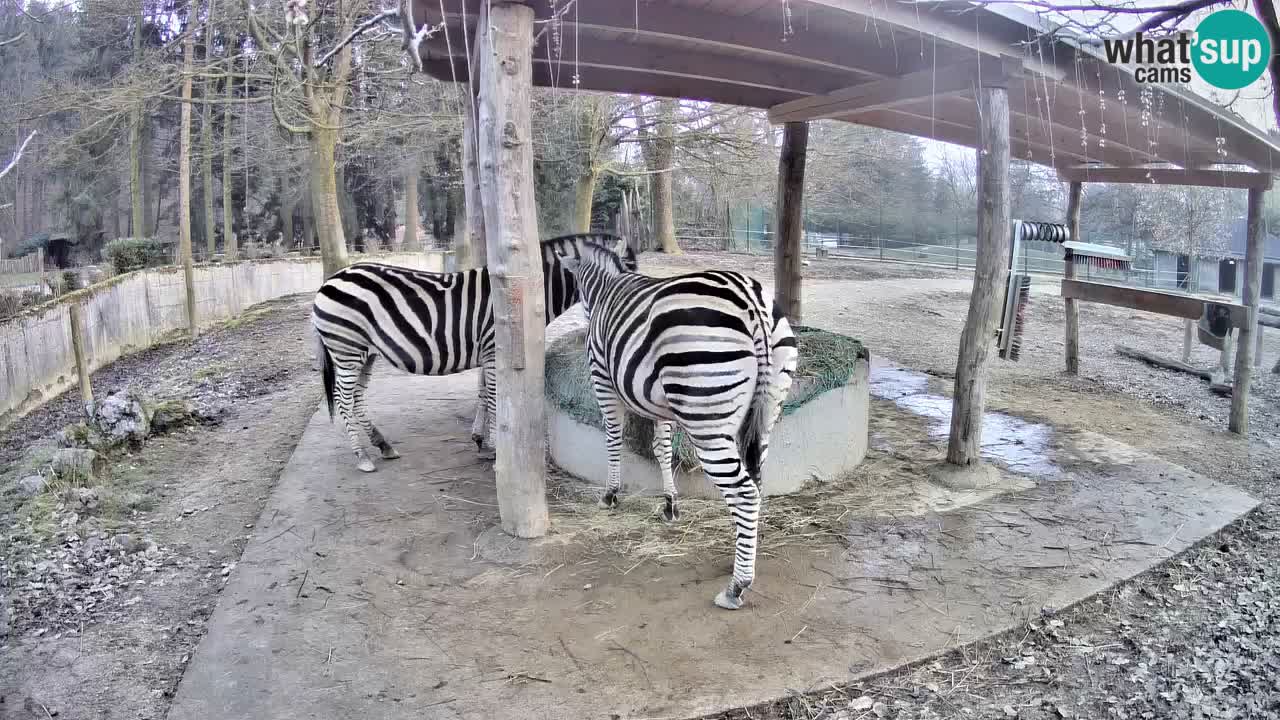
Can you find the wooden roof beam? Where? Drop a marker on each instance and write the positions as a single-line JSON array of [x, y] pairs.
[[1168, 176], [890, 92], [960, 134]]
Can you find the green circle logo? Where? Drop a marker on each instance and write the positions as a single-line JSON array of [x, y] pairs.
[[1231, 49]]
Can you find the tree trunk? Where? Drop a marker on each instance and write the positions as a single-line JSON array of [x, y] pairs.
[[229, 244], [506, 176], [584, 191], [288, 203], [206, 146], [184, 175], [1069, 272], [664, 150], [308, 222], [410, 241], [324, 199], [137, 196], [1251, 296], [786, 249], [965, 442]]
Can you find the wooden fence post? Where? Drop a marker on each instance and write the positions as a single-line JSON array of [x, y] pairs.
[[82, 364], [787, 252], [505, 154], [990, 267], [1251, 296], [1188, 336], [1069, 272]]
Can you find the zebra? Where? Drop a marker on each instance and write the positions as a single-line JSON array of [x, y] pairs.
[[423, 323], [705, 350]]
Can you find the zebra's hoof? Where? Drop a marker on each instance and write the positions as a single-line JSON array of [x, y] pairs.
[[670, 511], [365, 465], [727, 601], [390, 453], [609, 501]]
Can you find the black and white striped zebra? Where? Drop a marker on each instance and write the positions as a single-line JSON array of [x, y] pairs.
[[424, 323], [706, 350]]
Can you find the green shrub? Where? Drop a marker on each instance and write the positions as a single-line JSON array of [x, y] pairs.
[[129, 254]]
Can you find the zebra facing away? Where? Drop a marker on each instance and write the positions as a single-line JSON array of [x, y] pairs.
[[424, 323], [705, 350]]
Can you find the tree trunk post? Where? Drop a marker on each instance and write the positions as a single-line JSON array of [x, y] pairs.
[[184, 179], [990, 267], [505, 155], [1069, 272], [1257, 346], [82, 364], [1251, 295], [787, 252], [1188, 337], [229, 245], [474, 249]]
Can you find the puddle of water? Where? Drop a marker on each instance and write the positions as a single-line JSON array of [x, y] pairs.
[[1013, 442]]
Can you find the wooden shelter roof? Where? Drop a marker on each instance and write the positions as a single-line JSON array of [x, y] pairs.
[[906, 66]]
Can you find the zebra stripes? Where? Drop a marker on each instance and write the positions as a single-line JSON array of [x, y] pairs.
[[423, 323], [705, 350]]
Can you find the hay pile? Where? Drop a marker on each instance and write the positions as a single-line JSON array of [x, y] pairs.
[[826, 361]]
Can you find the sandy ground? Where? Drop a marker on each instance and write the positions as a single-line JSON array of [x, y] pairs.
[[1197, 638]]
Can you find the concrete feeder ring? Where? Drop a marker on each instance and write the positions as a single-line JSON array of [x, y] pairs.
[[821, 434]]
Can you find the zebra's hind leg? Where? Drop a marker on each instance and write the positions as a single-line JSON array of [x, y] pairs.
[[375, 436], [724, 468], [615, 420], [662, 453], [346, 381], [482, 430], [480, 427]]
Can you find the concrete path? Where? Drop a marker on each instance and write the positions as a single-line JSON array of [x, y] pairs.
[[390, 595]]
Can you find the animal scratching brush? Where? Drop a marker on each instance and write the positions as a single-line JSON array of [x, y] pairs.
[[1017, 291]]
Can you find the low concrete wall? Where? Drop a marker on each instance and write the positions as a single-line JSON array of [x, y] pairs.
[[822, 439], [134, 311]]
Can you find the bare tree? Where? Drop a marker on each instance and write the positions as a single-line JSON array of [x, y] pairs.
[[17, 155]]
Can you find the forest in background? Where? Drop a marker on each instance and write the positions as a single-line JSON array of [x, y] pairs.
[[300, 140]]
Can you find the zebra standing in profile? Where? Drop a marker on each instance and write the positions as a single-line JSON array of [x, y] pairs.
[[424, 323], [705, 350]]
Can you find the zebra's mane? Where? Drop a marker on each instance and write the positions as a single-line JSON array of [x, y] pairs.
[[599, 254], [552, 247]]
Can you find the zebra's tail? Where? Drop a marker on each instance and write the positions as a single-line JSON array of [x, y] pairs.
[[327, 376]]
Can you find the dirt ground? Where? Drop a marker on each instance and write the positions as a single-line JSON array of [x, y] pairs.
[[1199, 637], [105, 608]]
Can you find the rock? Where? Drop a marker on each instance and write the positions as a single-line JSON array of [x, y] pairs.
[[123, 418], [880, 709], [82, 499], [862, 704], [129, 544], [32, 485], [168, 415], [78, 465]]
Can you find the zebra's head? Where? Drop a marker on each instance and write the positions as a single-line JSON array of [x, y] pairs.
[[593, 265]]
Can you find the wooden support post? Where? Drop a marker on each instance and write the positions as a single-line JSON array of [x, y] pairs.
[[474, 249], [1251, 296], [1188, 337], [1069, 272], [1257, 346], [505, 157], [990, 267], [82, 363], [787, 252]]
